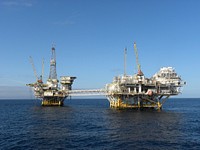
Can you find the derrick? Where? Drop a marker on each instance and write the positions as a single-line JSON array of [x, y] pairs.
[[51, 93]]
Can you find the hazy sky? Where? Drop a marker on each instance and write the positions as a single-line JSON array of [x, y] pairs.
[[90, 37]]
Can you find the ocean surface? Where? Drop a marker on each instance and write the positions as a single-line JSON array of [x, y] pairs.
[[92, 124]]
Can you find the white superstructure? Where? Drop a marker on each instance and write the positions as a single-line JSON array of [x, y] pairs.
[[138, 91]]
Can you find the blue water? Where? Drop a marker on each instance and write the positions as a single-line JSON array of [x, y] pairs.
[[91, 124]]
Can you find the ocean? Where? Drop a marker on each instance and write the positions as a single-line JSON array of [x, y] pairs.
[[92, 124]]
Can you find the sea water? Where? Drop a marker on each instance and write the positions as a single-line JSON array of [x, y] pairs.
[[92, 124]]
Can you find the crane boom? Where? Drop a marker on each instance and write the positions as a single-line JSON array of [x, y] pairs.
[[34, 70], [137, 60]]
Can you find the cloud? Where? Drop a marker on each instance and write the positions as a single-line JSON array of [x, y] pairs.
[[64, 23], [15, 3], [69, 19]]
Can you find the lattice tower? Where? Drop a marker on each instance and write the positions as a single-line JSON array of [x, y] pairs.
[[53, 74]]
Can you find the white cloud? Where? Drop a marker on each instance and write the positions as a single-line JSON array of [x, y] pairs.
[[24, 3]]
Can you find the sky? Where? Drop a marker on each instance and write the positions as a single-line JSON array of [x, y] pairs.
[[90, 37]]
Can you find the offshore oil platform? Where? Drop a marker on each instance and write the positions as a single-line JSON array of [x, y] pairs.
[[137, 91], [51, 93], [126, 91]]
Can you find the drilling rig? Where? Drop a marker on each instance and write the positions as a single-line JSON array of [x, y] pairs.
[[51, 93]]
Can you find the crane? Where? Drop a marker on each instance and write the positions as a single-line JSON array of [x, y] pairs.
[[137, 60], [34, 70]]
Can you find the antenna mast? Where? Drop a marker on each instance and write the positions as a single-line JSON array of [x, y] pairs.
[[42, 69], [125, 53]]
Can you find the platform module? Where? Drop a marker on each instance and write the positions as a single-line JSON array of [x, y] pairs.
[[51, 93], [137, 91]]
